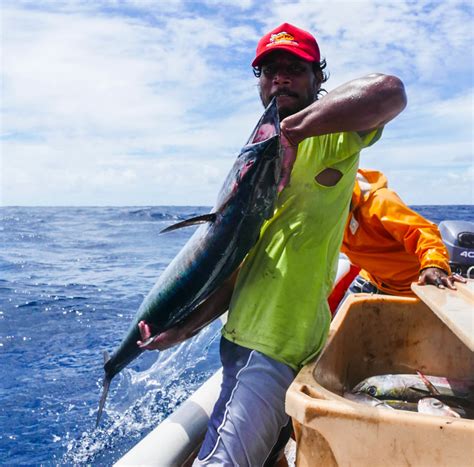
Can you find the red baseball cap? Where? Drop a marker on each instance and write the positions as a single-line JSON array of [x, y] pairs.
[[291, 39]]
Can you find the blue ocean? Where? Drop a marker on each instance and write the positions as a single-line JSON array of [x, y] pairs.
[[71, 281]]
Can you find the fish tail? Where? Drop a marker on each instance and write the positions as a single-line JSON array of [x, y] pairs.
[[105, 391]]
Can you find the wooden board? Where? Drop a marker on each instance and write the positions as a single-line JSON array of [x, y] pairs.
[[454, 307]]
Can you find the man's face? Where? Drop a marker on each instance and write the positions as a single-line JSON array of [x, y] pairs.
[[289, 78]]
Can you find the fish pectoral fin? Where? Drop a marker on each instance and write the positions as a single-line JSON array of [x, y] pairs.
[[421, 391], [211, 217]]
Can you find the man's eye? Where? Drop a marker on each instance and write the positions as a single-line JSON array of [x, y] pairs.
[[296, 69], [269, 70]]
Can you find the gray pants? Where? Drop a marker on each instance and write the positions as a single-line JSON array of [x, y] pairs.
[[249, 424]]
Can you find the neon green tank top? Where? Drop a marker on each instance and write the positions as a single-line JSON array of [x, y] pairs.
[[279, 306]]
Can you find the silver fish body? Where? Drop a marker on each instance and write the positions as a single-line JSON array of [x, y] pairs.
[[402, 405], [362, 398], [412, 387], [246, 200]]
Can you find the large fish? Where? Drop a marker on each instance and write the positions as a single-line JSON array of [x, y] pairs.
[[218, 246], [362, 398], [414, 387], [427, 405]]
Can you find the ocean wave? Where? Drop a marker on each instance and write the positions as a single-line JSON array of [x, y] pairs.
[[78, 285], [165, 213], [142, 399]]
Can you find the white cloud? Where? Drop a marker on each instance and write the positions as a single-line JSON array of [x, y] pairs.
[[144, 102]]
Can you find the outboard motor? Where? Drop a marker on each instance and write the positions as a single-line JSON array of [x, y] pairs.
[[458, 236]]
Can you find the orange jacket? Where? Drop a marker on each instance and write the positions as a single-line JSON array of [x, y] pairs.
[[387, 240]]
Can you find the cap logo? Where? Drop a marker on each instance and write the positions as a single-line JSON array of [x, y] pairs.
[[282, 38]]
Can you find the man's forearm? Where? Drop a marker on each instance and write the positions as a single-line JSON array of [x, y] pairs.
[[360, 105], [210, 309]]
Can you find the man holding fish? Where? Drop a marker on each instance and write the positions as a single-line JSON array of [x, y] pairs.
[[277, 300]]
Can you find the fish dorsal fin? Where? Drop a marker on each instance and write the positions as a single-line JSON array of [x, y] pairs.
[[211, 217]]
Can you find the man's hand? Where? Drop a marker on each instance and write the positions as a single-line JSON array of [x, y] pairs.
[[206, 312], [439, 278], [162, 341]]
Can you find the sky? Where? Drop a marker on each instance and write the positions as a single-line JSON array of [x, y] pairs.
[[140, 102]]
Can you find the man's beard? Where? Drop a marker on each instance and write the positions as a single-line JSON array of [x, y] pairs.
[[286, 112]]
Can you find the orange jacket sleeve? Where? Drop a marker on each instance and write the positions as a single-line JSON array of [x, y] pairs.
[[418, 235]]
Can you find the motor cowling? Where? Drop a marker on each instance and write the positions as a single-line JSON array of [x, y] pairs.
[[458, 236]]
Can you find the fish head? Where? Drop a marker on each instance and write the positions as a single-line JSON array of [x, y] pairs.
[[251, 185], [433, 406], [267, 126], [384, 386], [372, 389]]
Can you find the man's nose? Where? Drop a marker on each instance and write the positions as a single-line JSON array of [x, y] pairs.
[[282, 76]]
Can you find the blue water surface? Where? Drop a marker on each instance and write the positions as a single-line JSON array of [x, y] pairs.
[[71, 280]]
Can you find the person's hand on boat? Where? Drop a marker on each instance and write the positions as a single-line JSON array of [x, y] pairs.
[[439, 278], [161, 341]]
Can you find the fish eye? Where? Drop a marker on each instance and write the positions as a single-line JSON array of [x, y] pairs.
[[372, 391]]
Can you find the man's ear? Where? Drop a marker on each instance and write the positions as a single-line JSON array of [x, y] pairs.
[[317, 87], [319, 79]]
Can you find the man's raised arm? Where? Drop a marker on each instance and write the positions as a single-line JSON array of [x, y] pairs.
[[360, 105]]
